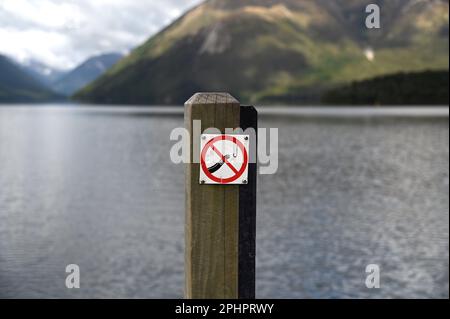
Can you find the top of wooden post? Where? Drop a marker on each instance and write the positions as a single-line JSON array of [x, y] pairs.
[[212, 99]]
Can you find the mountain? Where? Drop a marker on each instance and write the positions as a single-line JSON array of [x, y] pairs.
[[417, 88], [272, 51], [42, 72], [85, 73], [17, 86]]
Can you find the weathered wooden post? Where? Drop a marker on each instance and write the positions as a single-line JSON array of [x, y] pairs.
[[221, 216]]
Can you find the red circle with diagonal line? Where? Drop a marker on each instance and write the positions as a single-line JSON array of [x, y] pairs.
[[237, 172]]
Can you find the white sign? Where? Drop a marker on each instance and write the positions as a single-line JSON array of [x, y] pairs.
[[224, 159]]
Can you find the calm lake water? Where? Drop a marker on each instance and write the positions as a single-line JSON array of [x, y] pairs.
[[96, 188]]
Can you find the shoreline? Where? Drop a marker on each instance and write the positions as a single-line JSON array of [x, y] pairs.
[[300, 111]]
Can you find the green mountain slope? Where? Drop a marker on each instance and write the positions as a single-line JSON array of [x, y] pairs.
[[276, 50], [17, 86]]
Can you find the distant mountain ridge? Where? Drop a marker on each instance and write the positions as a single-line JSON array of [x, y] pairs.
[[36, 82], [18, 86], [266, 51], [86, 72], [42, 72]]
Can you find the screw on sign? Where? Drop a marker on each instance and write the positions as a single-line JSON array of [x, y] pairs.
[[224, 159]]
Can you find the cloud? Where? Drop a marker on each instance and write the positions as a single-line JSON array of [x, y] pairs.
[[65, 33]]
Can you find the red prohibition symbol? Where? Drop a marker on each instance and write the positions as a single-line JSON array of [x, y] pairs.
[[238, 171]]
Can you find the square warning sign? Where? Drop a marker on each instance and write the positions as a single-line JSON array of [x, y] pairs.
[[224, 159]]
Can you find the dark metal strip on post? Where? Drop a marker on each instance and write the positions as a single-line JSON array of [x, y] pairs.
[[247, 211], [220, 219]]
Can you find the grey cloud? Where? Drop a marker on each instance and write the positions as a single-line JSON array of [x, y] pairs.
[[106, 25]]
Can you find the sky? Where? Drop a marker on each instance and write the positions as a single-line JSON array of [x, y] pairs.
[[63, 33]]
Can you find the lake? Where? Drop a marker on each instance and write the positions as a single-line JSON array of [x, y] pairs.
[[96, 187]]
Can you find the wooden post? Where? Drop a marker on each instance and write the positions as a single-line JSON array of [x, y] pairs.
[[220, 219]]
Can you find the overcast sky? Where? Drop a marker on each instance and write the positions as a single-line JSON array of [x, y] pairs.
[[62, 33]]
